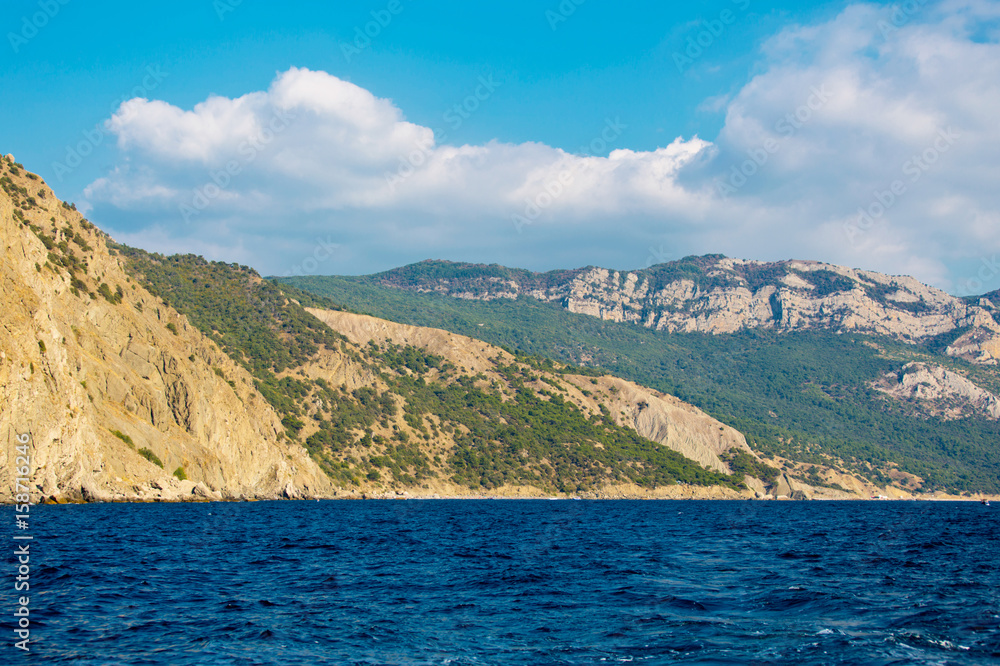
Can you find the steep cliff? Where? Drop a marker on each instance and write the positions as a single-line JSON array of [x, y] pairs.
[[932, 390], [106, 379], [715, 294]]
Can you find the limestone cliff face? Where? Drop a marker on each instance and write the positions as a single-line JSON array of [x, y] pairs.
[[979, 345], [721, 295], [666, 419], [936, 391], [79, 361]]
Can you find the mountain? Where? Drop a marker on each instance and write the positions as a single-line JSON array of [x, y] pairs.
[[143, 377], [121, 397], [806, 379], [716, 294], [427, 412]]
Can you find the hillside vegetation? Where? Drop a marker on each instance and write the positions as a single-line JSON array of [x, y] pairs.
[[803, 395], [398, 414]]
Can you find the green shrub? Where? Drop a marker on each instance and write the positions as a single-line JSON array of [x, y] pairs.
[[292, 424], [125, 438], [180, 474], [151, 457], [114, 298]]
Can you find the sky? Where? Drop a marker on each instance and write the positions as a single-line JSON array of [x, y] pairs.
[[309, 138]]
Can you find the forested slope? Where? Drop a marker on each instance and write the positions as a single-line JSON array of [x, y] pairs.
[[805, 395]]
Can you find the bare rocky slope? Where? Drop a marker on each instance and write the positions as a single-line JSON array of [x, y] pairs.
[[716, 294], [658, 417], [86, 353], [932, 390]]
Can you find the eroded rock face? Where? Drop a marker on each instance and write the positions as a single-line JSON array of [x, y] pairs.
[[76, 368], [979, 345], [721, 295], [936, 391]]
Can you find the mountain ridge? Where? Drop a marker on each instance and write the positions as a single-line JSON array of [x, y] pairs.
[[151, 378], [807, 394], [716, 294]]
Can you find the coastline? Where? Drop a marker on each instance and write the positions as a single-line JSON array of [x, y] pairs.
[[678, 492]]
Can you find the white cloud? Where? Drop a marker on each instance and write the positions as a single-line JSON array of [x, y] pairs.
[[893, 89], [834, 118], [338, 146]]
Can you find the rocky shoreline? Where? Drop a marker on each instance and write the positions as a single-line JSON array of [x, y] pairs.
[[186, 491]]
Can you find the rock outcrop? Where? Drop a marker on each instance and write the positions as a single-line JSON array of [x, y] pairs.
[[720, 295], [979, 345], [116, 390], [936, 391]]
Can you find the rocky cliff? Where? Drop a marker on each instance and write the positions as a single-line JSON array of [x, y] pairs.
[[715, 294], [120, 396], [932, 390]]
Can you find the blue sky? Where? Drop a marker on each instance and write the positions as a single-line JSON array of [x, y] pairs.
[[534, 134]]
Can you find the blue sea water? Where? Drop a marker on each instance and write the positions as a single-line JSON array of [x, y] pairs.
[[511, 582]]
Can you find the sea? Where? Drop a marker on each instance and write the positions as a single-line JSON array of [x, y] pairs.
[[509, 582]]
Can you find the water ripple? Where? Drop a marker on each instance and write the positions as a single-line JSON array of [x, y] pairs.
[[515, 582]]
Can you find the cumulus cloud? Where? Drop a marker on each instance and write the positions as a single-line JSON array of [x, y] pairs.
[[339, 146], [869, 139], [315, 156]]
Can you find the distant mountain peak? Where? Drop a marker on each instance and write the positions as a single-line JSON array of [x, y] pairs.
[[718, 294]]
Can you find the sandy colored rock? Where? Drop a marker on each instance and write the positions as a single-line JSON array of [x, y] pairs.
[[896, 306], [939, 392], [656, 416], [74, 368]]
